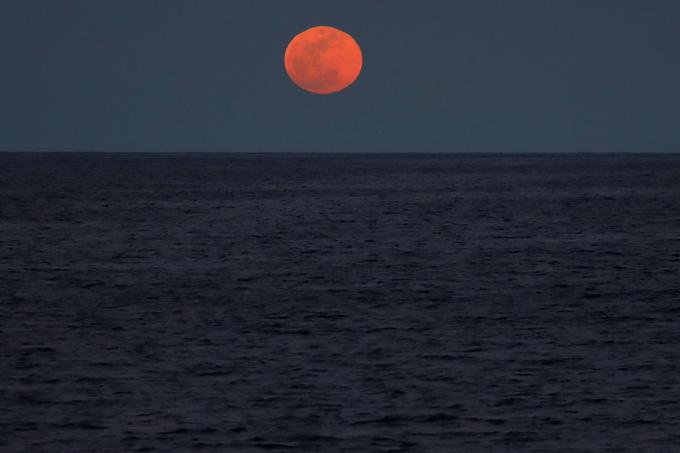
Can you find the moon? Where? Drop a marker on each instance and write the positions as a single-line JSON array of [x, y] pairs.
[[323, 60]]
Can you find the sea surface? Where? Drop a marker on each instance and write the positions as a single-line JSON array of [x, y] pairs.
[[339, 303]]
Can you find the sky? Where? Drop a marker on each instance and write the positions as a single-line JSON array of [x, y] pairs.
[[438, 76]]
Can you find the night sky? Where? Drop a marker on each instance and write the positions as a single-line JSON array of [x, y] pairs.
[[459, 76]]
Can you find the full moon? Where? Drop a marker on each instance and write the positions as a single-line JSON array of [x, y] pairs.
[[323, 60]]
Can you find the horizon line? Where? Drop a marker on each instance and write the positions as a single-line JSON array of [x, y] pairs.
[[321, 153]]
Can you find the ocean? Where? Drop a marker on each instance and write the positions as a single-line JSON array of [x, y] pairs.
[[339, 303]]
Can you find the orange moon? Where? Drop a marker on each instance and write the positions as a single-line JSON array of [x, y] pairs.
[[323, 60]]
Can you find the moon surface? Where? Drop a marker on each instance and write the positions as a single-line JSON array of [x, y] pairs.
[[323, 60]]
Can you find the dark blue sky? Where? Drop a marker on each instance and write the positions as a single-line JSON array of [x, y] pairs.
[[462, 76]]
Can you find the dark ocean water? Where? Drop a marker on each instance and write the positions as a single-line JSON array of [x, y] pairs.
[[339, 303]]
